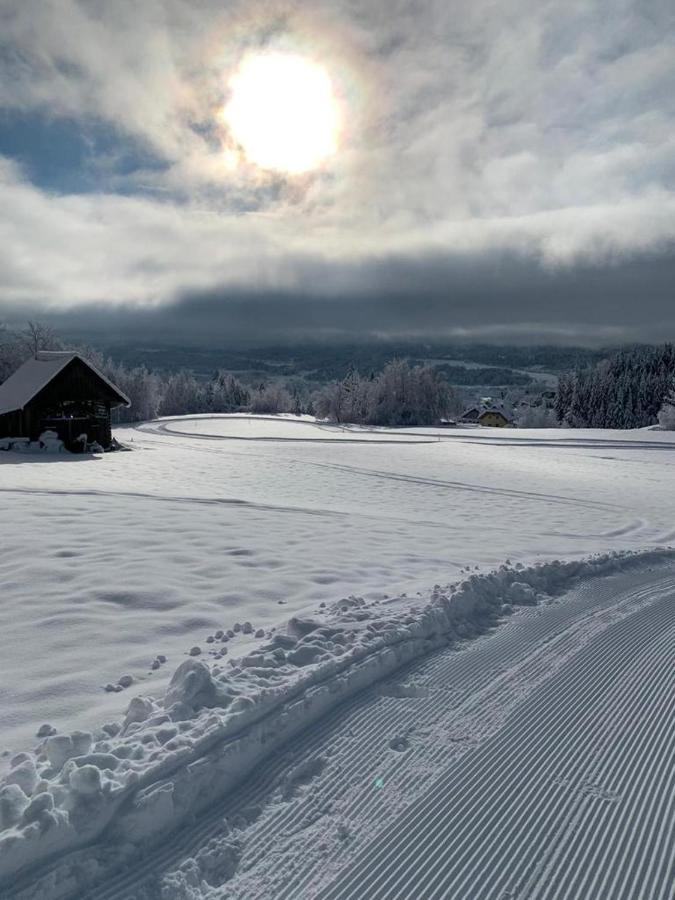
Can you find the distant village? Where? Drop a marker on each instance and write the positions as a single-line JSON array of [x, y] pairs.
[[494, 413]]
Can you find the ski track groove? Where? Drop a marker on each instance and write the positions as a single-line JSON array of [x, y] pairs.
[[569, 837], [427, 835], [581, 809], [623, 773], [465, 677], [621, 850], [526, 736], [476, 698], [468, 791]]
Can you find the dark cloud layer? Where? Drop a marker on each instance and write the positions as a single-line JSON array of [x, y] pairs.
[[492, 299]]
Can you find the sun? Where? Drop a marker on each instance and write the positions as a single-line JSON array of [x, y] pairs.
[[283, 112]]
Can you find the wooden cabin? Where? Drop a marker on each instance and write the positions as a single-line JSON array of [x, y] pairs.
[[494, 418], [62, 392]]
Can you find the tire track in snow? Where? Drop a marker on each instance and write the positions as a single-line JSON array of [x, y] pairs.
[[628, 529], [234, 502], [470, 488], [164, 428], [468, 436], [161, 498]]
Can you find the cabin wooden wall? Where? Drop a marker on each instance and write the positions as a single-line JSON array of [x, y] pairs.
[[11, 425]]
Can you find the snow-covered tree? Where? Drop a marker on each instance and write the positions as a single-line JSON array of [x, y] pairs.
[[38, 336], [399, 395], [627, 390], [270, 399], [225, 393], [141, 386], [299, 392], [12, 353], [18, 346], [667, 413], [183, 394], [331, 402], [536, 417]]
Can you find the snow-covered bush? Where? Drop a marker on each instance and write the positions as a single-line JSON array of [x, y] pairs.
[[400, 395], [536, 417], [667, 415]]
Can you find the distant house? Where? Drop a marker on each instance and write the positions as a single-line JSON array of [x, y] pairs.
[[471, 415], [494, 418], [61, 392]]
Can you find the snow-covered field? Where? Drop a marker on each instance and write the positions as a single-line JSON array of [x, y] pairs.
[[120, 566]]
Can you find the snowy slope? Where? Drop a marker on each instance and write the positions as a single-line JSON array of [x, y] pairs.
[[120, 565], [106, 563]]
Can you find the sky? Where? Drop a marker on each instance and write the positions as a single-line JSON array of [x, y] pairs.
[[501, 171]]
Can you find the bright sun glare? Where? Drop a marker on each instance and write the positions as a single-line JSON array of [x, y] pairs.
[[283, 112]]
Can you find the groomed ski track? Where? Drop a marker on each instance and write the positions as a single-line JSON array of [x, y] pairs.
[[573, 798], [534, 762]]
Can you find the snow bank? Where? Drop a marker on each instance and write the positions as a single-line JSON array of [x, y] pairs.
[[48, 442], [135, 780]]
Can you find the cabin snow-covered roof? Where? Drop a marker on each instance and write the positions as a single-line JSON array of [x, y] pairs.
[[35, 374]]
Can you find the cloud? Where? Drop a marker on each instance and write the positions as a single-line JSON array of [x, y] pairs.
[[536, 135], [486, 298]]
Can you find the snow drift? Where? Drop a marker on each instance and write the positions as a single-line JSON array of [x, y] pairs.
[[82, 803]]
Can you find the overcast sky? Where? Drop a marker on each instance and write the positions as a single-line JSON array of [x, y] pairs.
[[506, 170]]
